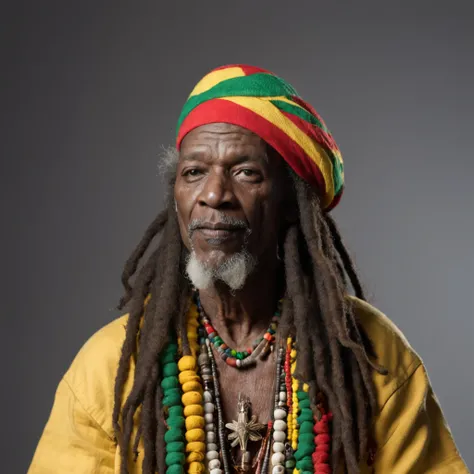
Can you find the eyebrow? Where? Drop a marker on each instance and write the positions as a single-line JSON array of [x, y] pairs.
[[197, 156]]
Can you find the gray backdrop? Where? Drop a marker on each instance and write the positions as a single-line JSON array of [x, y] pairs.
[[91, 90]]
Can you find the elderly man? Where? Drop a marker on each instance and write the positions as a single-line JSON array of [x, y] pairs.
[[242, 350]]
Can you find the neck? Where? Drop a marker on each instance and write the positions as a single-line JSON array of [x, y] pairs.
[[242, 316]]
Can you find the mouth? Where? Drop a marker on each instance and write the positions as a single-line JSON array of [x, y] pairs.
[[218, 233]]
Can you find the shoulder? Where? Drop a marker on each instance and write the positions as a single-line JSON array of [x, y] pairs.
[[391, 347], [91, 376]]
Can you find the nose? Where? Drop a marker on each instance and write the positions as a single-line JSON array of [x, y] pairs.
[[217, 192]]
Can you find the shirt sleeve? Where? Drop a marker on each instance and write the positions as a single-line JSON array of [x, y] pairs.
[[415, 436], [72, 441]]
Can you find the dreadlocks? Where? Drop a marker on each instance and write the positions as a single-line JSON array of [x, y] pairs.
[[335, 356]]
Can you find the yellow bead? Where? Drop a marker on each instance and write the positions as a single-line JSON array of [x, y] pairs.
[[196, 468], [195, 456], [194, 421], [188, 376], [195, 447], [193, 410], [305, 387], [187, 363], [191, 398], [195, 435], [193, 386]]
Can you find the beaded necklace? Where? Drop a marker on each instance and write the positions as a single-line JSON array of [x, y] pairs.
[[297, 442], [239, 359]]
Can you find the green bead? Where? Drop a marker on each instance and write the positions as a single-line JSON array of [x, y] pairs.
[[170, 382], [302, 395], [172, 399], [233, 352], [304, 449], [170, 369], [239, 355], [175, 458], [218, 341], [306, 415], [305, 464], [174, 434], [175, 469], [306, 427], [305, 403], [175, 411], [306, 438], [175, 447], [175, 421], [290, 464], [167, 357]]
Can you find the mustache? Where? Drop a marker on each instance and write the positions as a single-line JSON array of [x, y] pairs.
[[231, 223]]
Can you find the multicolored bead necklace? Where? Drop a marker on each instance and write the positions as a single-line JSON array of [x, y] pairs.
[[239, 359], [296, 442]]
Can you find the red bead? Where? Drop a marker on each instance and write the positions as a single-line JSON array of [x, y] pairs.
[[322, 439], [231, 361], [320, 457], [267, 336], [224, 346]]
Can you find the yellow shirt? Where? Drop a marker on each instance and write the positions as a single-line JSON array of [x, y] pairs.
[[410, 431]]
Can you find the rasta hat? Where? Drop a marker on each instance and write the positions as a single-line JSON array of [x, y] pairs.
[[265, 104]]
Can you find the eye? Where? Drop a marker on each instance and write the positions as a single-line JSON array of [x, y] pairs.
[[249, 174], [192, 172]]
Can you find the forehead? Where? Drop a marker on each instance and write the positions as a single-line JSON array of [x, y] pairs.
[[222, 138]]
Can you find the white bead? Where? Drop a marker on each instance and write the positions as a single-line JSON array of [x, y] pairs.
[[279, 436], [238, 362], [210, 427], [279, 425], [209, 407], [278, 447], [207, 396], [214, 464], [282, 396], [211, 437], [209, 417], [282, 404], [278, 458], [212, 447], [210, 455], [278, 469], [216, 471], [279, 414]]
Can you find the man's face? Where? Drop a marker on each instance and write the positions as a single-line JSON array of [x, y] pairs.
[[228, 193]]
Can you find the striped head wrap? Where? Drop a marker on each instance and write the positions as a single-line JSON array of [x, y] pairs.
[[267, 105]]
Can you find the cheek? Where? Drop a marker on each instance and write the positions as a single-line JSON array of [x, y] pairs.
[[182, 212]]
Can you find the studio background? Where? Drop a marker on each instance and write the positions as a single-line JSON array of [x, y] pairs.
[[90, 92]]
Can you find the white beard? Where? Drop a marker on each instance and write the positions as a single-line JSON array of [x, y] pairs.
[[233, 272]]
